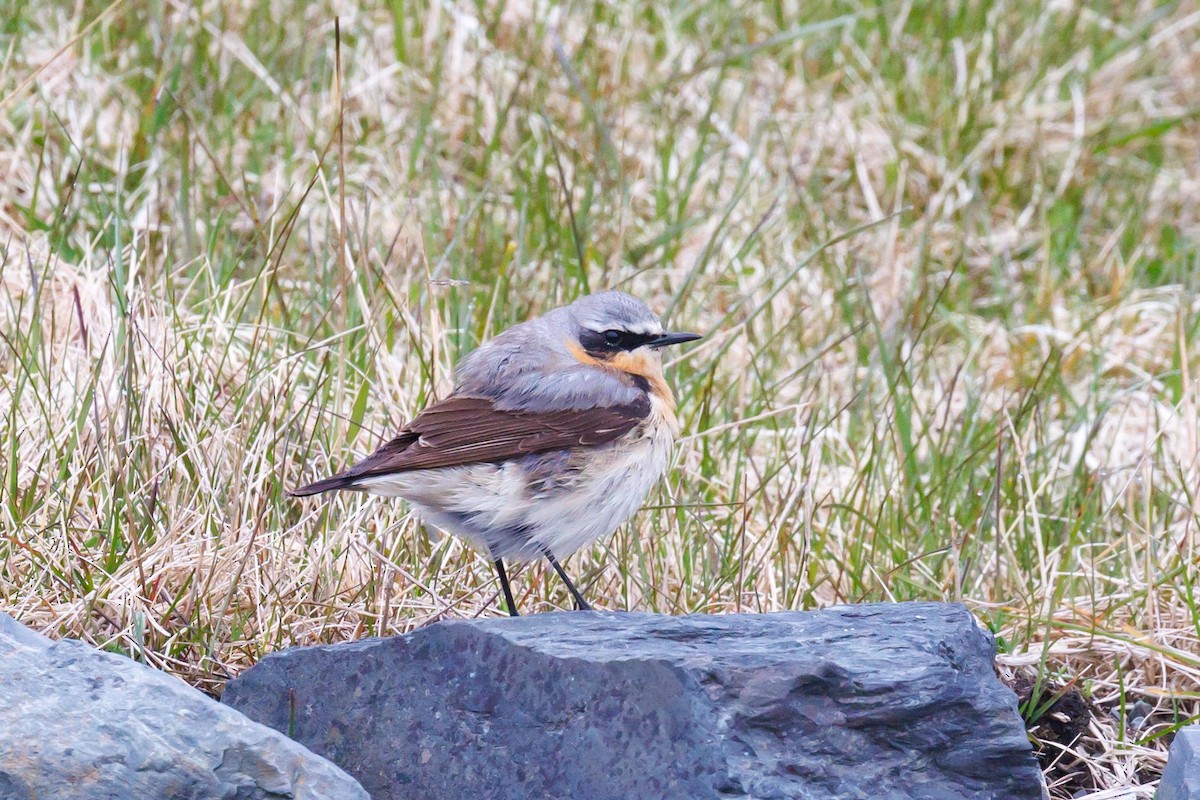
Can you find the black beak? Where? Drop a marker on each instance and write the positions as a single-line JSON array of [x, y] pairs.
[[667, 339]]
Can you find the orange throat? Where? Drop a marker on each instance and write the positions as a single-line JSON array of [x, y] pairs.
[[641, 365]]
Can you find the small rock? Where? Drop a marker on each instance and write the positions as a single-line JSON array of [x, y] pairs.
[[1181, 778], [880, 701], [1138, 715], [77, 723]]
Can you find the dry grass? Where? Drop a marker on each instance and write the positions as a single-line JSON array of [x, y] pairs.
[[947, 263]]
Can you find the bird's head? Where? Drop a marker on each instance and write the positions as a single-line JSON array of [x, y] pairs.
[[616, 330]]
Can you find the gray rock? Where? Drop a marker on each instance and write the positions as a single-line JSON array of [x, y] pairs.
[[881, 701], [80, 724], [1181, 778], [16, 639]]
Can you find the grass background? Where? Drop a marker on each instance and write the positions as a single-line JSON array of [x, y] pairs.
[[946, 256]]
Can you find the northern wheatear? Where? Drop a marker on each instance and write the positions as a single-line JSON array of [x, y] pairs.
[[556, 431]]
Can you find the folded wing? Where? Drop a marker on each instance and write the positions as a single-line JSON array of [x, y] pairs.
[[469, 430]]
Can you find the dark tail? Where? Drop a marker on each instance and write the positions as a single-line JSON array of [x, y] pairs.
[[340, 481]]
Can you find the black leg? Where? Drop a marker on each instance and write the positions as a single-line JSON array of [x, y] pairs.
[[580, 603], [508, 598]]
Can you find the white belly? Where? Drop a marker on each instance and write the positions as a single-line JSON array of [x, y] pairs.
[[505, 511], [612, 492]]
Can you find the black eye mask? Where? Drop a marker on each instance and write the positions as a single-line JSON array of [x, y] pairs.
[[613, 340]]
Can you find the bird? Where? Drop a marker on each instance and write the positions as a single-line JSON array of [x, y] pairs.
[[555, 432]]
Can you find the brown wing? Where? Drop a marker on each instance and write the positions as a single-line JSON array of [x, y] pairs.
[[470, 430]]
